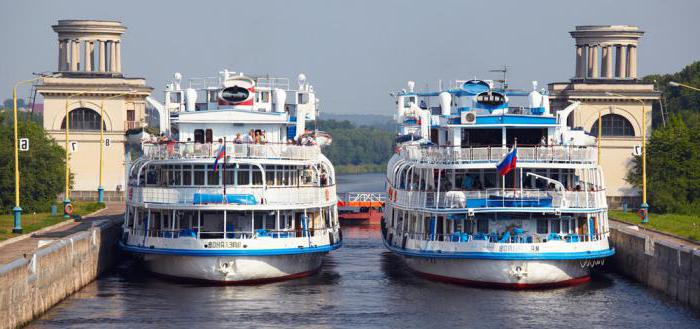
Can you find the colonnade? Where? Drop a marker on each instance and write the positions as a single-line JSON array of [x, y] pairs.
[[589, 63], [89, 55]]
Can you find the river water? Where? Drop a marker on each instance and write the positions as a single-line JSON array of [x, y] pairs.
[[360, 285]]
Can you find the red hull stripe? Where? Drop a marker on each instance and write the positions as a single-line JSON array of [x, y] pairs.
[[500, 285]]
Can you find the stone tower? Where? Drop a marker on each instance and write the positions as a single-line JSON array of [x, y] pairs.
[[90, 88], [606, 62]]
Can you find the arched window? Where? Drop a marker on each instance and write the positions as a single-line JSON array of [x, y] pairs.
[[84, 118], [613, 125]]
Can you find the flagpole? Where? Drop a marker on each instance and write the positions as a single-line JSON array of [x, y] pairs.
[[225, 156]]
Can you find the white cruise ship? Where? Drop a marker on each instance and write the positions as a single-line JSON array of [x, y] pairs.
[[241, 192], [484, 192]]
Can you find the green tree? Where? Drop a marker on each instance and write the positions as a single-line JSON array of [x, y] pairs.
[[357, 145], [41, 168]]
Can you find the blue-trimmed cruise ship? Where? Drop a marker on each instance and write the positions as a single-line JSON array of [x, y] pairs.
[[241, 193], [452, 215]]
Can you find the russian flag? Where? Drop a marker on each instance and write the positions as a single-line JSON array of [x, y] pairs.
[[220, 155], [508, 162]]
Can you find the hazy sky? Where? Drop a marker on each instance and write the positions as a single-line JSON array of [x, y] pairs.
[[353, 52]]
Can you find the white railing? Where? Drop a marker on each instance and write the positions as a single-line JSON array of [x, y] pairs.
[[190, 150], [456, 155], [267, 196], [499, 238], [362, 196], [492, 198]]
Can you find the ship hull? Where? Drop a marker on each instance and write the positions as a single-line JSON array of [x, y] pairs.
[[514, 274], [234, 269]]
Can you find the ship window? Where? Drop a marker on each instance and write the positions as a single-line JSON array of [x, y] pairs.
[[83, 119], [482, 226], [187, 175], [175, 97], [554, 226], [302, 98], [613, 125], [244, 175], [209, 136], [199, 174], [257, 177], [565, 226], [270, 175], [213, 96], [199, 136], [263, 97], [212, 176], [230, 174], [152, 176], [541, 226]]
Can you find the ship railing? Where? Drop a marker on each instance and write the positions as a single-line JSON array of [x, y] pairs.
[[198, 234], [538, 154], [496, 197], [362, 196], [308, 195], [499, 238], [191, 150]]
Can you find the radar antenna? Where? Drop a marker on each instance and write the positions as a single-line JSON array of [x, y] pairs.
[[504, 81]]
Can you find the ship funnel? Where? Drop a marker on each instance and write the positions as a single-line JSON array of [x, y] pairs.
[[280, 97], [445, 102], [190, 99]]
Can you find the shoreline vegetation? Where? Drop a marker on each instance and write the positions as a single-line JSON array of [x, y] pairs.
[[687, 226], [359, 146], [32, 222]]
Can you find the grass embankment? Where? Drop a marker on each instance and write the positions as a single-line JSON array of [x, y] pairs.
[[37, 221], [360, 169], [683, 225]]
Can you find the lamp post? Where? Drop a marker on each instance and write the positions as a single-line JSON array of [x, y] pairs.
[[100, 189], [644, 206], [66, 199], [17, 210], [678, 84]]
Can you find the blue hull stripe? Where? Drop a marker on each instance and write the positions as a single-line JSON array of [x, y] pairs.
[[502, 255], [229, 252]]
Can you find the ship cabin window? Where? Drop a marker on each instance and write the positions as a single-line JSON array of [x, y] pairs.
[[490, 98], [199, 174], [482, 226], [213, 96], [302, 98], [565, 225], [481, 137], [186, 175], [213, 177], [542, 226], [554, 226], [175, 97], [209, 136], [526, 137], [199, 136], [408, 100], [263, 97], [243, 174]]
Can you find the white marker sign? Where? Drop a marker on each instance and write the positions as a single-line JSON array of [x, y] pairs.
[[637, 150], [108, 142], [73, 146], [24, 144]]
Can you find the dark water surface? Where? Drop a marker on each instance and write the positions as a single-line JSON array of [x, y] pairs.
[[361, 285]]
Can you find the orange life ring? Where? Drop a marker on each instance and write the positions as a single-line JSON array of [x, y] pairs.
[[642, 213], [68, 209]]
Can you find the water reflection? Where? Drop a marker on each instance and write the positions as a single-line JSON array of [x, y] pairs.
[[361, 285]]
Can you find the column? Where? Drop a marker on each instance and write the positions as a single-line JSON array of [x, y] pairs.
[[579, 62], [589, 67], [102, 56], [596, 63], [112, 57], [621, 69], [632, 61], [74, 55], [61, 55], [607, 62], [117, 56], [88, 56]]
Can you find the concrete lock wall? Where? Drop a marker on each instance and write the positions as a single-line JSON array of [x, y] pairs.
[[31, 285], [669, 267]]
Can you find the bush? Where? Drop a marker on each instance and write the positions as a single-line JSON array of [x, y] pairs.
[[41, 168]]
